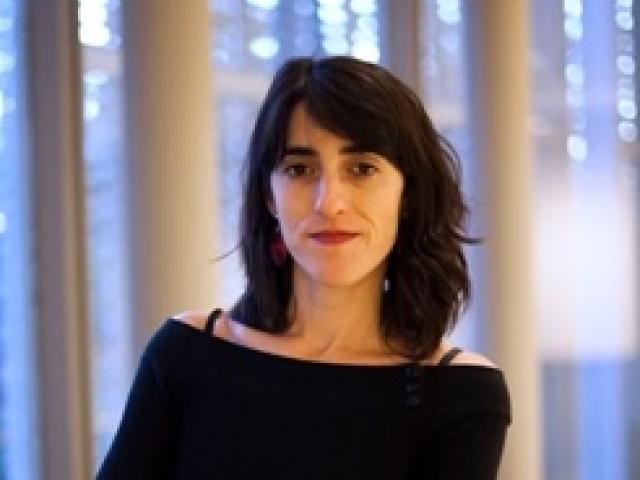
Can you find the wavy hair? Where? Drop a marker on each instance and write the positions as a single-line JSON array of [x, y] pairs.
[[427, 274]]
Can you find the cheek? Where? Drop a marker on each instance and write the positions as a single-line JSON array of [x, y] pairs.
[[388, 199], [280, 196], [291, 204], [388, 218], [391, 221]]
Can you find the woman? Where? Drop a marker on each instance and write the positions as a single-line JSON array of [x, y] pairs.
[[333, 362]]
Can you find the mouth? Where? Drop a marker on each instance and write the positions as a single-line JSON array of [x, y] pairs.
[[333, 237]]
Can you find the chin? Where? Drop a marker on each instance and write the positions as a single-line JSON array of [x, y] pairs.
[[343, 274]]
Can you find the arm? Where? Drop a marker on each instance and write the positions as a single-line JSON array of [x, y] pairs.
[[470, 445], [143, 446], [470, 448]]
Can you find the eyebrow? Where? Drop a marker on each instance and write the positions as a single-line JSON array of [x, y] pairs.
[[309, 151]]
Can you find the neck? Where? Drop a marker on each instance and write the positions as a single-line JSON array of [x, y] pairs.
[[335, 320]]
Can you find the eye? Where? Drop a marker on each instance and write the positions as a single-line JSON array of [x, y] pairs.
[[364, 169], [297, 170]]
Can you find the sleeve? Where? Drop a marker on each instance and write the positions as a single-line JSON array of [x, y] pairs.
[[469, 448], [143, 444]]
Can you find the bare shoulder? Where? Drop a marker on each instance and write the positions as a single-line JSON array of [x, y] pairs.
[[193, 318], [198, 319], [467, 357]]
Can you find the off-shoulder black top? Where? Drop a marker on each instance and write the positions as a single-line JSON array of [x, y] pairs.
[[203, 407]]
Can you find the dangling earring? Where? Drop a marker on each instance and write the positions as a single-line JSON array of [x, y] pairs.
[[386, 285], [277, 248]]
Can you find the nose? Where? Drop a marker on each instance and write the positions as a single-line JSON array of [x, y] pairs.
[[330, 199]]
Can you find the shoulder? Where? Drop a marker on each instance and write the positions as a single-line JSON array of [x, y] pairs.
[[168, 343], [198, 319], [172, 353], [467, 357], [194, 318]]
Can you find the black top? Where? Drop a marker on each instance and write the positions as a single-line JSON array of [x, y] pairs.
[[202, 407]]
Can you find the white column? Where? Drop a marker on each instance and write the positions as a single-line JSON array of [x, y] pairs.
[[401, 40], [61, 286], [170, 165], [497, 48]]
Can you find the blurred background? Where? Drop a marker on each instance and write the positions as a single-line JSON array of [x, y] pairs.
[[123, 126]]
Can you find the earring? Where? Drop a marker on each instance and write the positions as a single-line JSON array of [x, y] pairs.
[[277, 248], [386, 284]]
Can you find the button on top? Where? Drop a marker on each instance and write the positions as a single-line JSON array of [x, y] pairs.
[[412, 387], [413, 400], [413, 370]]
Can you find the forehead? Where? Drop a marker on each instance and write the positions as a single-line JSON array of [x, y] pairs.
[[304, 129]]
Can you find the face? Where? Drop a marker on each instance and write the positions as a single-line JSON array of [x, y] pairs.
[[338, 206]]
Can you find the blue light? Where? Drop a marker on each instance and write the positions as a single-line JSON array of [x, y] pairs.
[[264, 4], [627, 108], [92, 13], [367, 22], [573, 28], [95, 78], [332, 3], [335, 46], [626, 64], [7, 62], [363, 7], [577, 148], [573, 8], [574, 73], [264, 47], [624, 20], [332, 15], [6, 24], [93, 17], [94, 35], [366, 51], [333, 31], [361, 36], [449, 12], [91, 109]]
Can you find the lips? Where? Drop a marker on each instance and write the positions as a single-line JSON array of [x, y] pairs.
[[333, 237]]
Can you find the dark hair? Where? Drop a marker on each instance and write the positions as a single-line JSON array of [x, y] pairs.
[[427, 271]]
